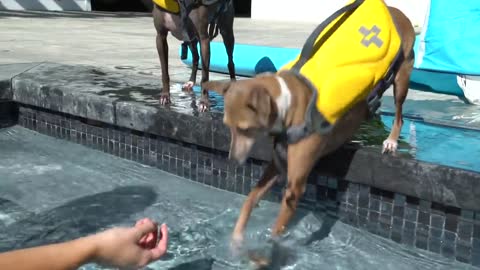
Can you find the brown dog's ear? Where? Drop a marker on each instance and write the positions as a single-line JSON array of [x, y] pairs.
[[218, 86], [261, 103]]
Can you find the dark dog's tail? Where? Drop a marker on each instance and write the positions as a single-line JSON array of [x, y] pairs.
[[213, 26]]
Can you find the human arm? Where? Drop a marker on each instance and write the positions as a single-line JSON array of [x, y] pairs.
[[121, 247]]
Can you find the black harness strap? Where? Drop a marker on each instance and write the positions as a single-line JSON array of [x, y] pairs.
[[297, 133], [186, 6]]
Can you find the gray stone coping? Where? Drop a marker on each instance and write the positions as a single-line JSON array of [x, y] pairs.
[[131, 102]]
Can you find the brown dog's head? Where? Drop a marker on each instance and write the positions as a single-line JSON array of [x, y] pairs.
[[249, 111]]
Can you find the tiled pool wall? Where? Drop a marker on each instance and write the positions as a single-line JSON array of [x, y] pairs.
[[452, 232], [8, 113]]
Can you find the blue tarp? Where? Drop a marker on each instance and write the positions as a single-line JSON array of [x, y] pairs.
[[450, 38]]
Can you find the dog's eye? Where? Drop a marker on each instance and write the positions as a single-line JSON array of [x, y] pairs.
[[245, 130], [250, 106]]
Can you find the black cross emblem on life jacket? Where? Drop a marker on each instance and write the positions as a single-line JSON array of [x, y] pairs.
[[374, 39]]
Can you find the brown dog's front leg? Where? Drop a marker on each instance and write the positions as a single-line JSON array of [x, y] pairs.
[[162, 49], [301, 159], [267, 180], [400, 90]]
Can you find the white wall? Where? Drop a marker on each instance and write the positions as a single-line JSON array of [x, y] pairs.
[[51, 5], [317, 10]]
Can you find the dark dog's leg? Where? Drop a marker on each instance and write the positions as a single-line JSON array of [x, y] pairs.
[[202, 30], [267, 180], [400, 90], [229, 41], [162, 49], [226, 30], [188, 86], [205, 47]]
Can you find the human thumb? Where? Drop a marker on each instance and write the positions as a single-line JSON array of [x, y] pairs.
[[145, 227]]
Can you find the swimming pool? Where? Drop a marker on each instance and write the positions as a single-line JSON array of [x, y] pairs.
[[52, 190]]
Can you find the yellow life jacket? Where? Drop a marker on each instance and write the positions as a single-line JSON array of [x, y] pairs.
[[168, 5], [349, 58]]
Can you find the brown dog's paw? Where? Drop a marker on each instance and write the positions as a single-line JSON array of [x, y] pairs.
[[259, 262], [165, 99], [236, 245], [204, 105], [389, 146], [188, 86]]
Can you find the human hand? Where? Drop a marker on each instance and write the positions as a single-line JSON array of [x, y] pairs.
[[132, 247]]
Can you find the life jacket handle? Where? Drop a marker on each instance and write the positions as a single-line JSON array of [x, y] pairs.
[[308, 48]]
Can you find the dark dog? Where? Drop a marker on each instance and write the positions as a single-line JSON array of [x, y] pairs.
[[255, 106], [205, 19]]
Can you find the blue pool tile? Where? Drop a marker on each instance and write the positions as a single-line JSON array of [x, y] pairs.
[[384, 230], [398, 211], [437, 233], [193, 172], [422, 229], [437, 221], [463, 253], [434, 244], [247, 183], [385, 219], [413, 202], [239, 184], [321, 193], [386, 208], [411, 214], [215, 177], [362, 221], [449, 236], [465, 230], [363, 197], [421, 242], [476, 244], [322, 180], [223, 180], [396, 236], [397, 224], [374, 205], [448, 250], [476, 230], [424, 217], [230, 182], [451, 222], [476, 259], [408, 237], [332, 183], [409, 225]]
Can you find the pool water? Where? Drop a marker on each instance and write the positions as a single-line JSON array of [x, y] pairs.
[[426, 142], [420, 140], [53, 190]]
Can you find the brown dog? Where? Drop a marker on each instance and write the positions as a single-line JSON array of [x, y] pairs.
[[253, 107], [205, 18]]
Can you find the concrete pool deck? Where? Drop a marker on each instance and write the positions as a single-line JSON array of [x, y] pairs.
[[125, 42]]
